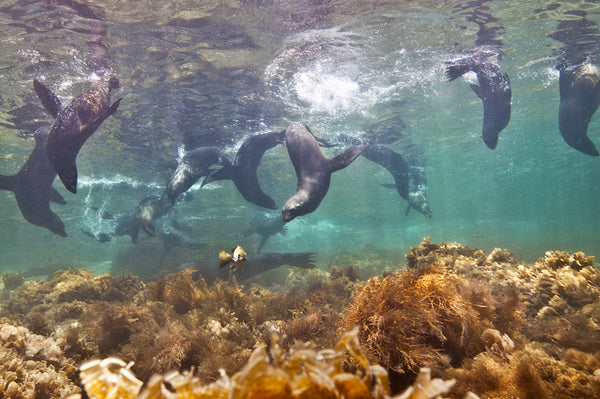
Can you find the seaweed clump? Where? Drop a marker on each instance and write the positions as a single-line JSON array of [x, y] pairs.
[[410, 320], [270, 372]]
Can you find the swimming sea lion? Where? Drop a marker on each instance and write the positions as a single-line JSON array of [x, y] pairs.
[[191, 166], [265, 225], [313, 170], [150, 208], [75, 124], [579, 100], [33, 189], [407, 181], [242, 171], [493, 90]]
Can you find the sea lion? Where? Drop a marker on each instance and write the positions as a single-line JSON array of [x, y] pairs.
[[191, 166], [150, 208], [33, 189], [407, 180], [265, 225], [579, 100], [75, 124], [242, 171], [494, 91], [313, 170]]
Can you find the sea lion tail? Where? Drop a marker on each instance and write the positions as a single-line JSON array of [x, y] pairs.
[[454, 71], [7, 183], [346, 157]]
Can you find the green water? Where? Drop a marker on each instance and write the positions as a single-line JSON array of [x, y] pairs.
[[215, 72]]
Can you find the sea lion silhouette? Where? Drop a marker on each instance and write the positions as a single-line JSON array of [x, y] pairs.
[[313, 170], [75, 124], [150, 208], [494, 91], [191, 166], [33, 189], [405, 177], [579, 100], [242, 171]]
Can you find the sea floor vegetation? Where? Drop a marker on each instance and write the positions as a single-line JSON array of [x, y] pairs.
[[479, 325]]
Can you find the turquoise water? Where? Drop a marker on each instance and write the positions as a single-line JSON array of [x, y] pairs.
[[214, 73]]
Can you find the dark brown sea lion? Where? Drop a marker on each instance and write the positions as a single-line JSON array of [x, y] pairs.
[[242, 171], [75, 124], [494, 91], [579, 100], [313, 170], [33, 189]]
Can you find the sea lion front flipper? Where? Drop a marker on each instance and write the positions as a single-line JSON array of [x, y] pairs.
[[7, 183], [225, 173], [346, 157], [55, 197], [455, 71], [387, 185], [407, 210], [49, 100], [66, 169], [477, 90], [262, 243], [149, 229], [585, 145]]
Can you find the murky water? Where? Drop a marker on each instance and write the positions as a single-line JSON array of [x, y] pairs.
[[214, 73]]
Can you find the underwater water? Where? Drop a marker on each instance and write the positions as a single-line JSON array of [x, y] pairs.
[[213, 73]]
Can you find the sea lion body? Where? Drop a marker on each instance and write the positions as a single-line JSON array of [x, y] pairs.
[[494, 90], [579, 100], [313, 170], [150, 208], [192, 166], [409, 180], [33, 189], [243, 170], [74, 124]]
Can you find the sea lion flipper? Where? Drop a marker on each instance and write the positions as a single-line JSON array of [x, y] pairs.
[[225, 173], [66, 169], [585, 145], [407, 210], [455, 71], [477, 90], [7, 183], [346, 157], [149, 229], [49, 100], [387, 185], [55, 197]]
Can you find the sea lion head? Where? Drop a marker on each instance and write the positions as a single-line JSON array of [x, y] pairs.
[[294, 207], [418, 201]]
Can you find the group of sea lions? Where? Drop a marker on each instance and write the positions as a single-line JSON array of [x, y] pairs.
[[57, 147], [55, 151]]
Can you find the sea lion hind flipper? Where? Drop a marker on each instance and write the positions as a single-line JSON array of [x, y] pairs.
[[54, 196], [454, 71], [7, 183], [346, 157], [50, 102]]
